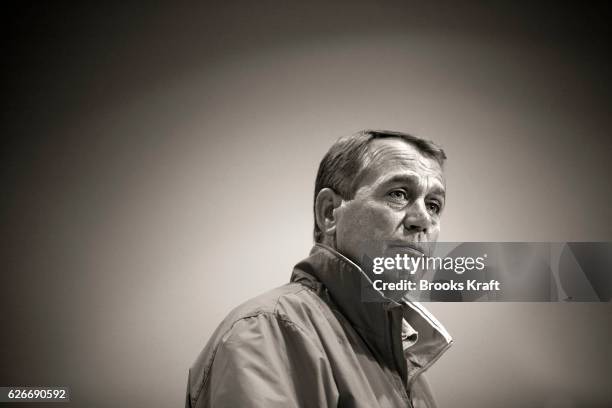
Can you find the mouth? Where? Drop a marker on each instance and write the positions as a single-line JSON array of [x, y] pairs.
[[414, 247]]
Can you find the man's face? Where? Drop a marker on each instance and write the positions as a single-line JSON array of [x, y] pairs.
[[398, 202]]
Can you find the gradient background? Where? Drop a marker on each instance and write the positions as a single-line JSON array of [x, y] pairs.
[[158, 165]]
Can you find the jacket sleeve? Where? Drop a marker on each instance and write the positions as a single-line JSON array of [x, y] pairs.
[[268, 361]]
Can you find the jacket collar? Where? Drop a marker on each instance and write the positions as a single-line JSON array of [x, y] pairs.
[[395, 331]]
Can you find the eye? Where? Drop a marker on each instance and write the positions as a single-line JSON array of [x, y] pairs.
[[434, 207], [398, 195]]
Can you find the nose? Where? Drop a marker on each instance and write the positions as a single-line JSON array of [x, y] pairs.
[[417, 219]]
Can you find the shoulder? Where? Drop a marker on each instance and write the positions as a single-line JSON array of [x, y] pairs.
[[289, 310], [277, 302], [293, 305]]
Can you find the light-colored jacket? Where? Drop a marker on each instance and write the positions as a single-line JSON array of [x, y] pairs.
[[314, 343]]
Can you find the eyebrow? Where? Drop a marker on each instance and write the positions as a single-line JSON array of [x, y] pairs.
[[409, 179]]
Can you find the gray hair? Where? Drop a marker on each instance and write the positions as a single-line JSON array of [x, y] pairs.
[[343, 164]]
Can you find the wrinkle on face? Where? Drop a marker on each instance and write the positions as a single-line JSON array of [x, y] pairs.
[[388, 158]]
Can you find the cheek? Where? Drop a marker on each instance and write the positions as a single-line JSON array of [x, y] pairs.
[[433, 232], [371, 221]]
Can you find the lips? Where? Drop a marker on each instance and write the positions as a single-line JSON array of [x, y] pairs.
[[412, 246]]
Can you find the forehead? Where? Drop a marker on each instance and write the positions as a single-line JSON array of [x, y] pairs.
[[389, 157]]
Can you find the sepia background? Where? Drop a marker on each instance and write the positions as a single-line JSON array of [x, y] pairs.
[[158, 167]]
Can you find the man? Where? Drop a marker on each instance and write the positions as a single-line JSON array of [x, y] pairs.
[[314, 342]]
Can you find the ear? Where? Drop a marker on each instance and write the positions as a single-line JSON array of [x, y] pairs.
[[326, 203]]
